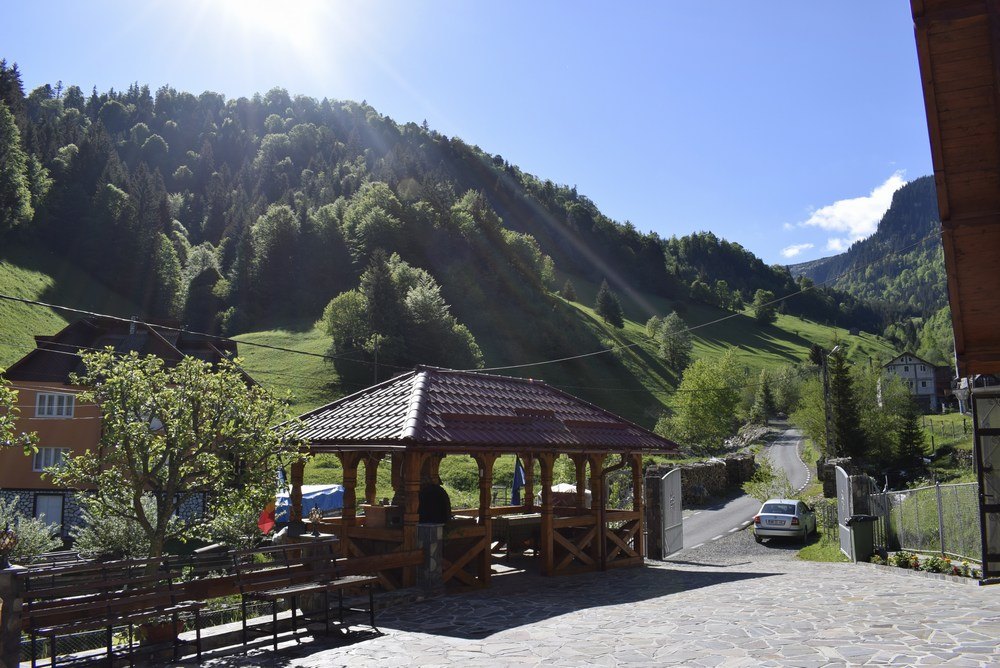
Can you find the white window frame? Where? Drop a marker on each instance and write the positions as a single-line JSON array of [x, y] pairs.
[[58, 405], [48, 457], [62, 509]]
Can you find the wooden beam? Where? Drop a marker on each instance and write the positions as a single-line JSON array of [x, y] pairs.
[[546, 462], [371, 477], [638, 504], [485, 462], [411, 465], [597, 504], [528, 462]]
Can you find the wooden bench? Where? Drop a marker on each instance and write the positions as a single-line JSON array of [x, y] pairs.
[[63, 600], [295, 570]]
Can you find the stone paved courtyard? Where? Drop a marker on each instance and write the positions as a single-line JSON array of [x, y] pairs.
[[701, 610]]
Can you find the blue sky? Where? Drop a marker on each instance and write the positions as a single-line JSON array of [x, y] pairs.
[[784, 126]]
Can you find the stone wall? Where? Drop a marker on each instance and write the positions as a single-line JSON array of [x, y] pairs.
[[701, 481], [826, 471]]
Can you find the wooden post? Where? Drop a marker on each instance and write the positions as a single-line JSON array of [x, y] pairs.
[[639, 505], [349, 461], [411, 462], [548, 558], [597, 508], [580, 461], [485, 462], [295, 525], [371, 478], [528, 462]]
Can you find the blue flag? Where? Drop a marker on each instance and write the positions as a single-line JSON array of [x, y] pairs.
[[515, 490]]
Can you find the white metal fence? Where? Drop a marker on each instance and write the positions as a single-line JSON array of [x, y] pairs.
[[938, 518]]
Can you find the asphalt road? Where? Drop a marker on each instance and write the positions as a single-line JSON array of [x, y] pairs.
[[728, 516]]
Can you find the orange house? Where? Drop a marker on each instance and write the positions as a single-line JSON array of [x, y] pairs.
[[66, 427]]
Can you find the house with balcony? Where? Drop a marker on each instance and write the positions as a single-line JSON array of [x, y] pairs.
[[929, 384], [49, 405]]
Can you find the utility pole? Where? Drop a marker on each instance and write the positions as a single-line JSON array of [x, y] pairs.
[[831, 450]]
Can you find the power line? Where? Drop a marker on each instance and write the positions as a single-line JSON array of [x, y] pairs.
[[205, 335], [692, 328], [344, 357]]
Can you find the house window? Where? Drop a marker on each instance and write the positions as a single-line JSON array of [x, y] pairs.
[[54, 405], [923, 368], [923, 383], [48, 457], [906, 368], [49, 508]]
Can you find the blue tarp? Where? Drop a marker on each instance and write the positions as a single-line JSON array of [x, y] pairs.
[[326, 497]]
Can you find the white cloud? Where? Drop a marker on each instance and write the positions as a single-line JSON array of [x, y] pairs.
[[787, 226], [792, 251], [857, 217]]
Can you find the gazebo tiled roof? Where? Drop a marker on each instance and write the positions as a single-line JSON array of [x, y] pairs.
[[441, 409]]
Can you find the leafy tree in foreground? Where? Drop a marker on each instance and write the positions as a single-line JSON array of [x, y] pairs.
[[768, 482], [608, 306], [9, 411], [171, 433], [705, 404]]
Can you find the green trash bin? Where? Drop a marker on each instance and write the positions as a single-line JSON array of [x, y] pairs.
[[862, 536]]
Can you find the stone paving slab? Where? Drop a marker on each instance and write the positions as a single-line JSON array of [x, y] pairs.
[[750, 612]]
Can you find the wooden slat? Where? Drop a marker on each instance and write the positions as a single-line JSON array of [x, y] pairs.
[[567, 522]]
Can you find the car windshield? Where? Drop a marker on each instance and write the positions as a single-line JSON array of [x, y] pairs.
[[779, 508]]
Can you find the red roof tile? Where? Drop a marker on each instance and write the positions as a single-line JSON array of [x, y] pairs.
[[439, 408]]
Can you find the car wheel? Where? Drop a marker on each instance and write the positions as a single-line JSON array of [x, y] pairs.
[[758, 538]]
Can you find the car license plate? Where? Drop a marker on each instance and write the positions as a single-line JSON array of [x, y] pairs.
[[775, 521]]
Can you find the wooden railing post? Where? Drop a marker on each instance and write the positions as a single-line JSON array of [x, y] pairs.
[[528, 462], [411, 508], [638, 504], [580, 463], [371, 478], [597, 548], [485, 462], [295, 524], [546, 462]]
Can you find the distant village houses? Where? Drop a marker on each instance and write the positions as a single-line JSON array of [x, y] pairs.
[[67, 427], [929, 385]]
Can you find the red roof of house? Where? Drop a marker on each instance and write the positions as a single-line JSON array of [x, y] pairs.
[[443, 409], [56, 357]]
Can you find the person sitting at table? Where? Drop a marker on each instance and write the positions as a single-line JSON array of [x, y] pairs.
[[435, 504]]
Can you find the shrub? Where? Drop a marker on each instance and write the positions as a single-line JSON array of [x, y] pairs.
[[34, 536]]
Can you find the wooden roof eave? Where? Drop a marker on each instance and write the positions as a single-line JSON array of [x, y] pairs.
[[317, 447]]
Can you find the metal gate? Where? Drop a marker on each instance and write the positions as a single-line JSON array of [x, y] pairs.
[[845, 508], [673, 513], [986, 414]]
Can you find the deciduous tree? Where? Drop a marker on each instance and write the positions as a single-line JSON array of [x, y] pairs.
[[175, 432]]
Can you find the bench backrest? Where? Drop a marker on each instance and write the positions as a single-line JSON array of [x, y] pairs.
[[284, 565], [62, 594]]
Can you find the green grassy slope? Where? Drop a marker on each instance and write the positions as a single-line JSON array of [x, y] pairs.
[[630, 381], [31, 272]]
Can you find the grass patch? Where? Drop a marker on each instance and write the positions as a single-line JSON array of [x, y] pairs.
[[824, 547]]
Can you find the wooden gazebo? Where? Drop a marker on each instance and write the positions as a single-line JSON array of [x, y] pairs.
[[418, 418]]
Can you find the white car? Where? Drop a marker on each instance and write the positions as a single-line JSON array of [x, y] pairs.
[[784, 518]]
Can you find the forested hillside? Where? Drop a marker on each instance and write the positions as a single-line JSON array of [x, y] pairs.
[[900, 270], [278, 212]]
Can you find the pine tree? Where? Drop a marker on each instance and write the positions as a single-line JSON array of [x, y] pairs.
[[15, 196], [608, 306], [568, 292], [848, 437], [763, 403], [910, 436]]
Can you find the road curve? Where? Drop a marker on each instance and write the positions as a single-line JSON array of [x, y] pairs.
[[731, 515]]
